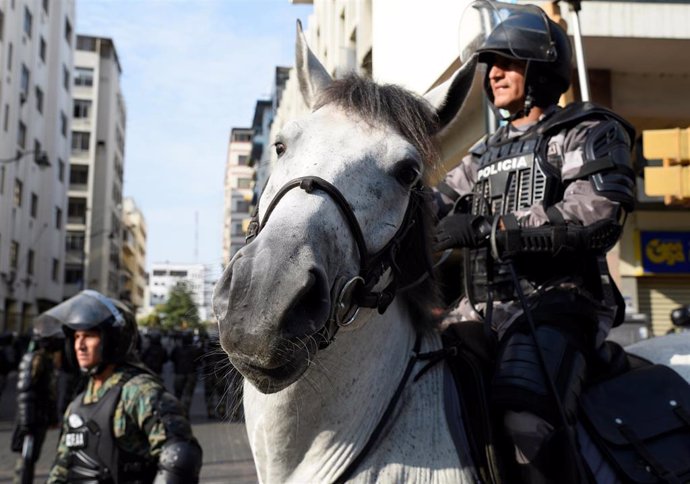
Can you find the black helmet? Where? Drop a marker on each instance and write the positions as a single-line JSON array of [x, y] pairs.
[[90, 310], [521, 32]]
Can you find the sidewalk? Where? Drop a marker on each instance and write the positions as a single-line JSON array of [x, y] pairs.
[[227, 457]]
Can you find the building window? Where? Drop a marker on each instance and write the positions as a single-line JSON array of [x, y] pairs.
[[65, 77], [58, 218], [74, 241], [37, 149], [68, 31], [82, 108], [39, 99], [2, 25], [2, 180], [63, 124], [244, 183], [80, 141], [14, 254], [78, 175], [61, 170], [28, 20], [86, 43], [242, 160], [34, 205], [30, 262], [18, 189], [42, 48], [76, 211], [73, 274], [9, 57], [83, 76], [21, 135], [7, 117], [56, 270], [45, 6], [24, 83], [242, 206]]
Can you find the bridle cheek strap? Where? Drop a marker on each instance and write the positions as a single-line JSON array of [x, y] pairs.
[[371, 267]]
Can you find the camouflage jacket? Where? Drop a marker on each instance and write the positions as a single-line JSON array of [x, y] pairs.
[[145, 418]]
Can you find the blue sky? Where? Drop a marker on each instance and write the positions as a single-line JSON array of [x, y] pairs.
[[192, 70]]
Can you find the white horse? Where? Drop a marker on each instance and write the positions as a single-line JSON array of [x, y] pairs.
[[341, 225], [339, 237]]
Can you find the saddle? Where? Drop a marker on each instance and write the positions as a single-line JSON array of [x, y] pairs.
[[636, 413]]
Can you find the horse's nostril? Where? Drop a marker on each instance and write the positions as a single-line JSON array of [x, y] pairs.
[[310, 308]]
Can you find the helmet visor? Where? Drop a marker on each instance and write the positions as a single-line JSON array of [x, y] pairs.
[[516, 31], [84, 311], [46, 326]]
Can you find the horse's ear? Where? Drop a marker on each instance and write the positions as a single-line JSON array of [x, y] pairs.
[[312, 75], [447, 98]]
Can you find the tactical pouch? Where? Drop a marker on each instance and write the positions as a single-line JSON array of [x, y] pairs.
[[640, 421]]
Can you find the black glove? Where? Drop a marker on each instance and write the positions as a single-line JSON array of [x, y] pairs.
[[461, 230]]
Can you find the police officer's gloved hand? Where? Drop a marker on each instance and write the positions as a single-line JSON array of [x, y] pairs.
[[462, 230]]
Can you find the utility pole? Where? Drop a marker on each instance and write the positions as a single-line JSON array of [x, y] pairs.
[[583, 78], [196, 236]]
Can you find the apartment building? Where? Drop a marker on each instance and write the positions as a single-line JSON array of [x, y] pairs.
[[133, 275], [637, 57], [164, 276], [94, 218], [36, 58], [239, 180]]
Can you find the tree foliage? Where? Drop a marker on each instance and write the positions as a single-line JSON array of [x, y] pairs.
[[179, 311]]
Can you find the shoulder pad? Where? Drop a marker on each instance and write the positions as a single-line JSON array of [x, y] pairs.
[[577, 112]]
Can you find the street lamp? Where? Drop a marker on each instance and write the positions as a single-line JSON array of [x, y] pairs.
[[40, 158]]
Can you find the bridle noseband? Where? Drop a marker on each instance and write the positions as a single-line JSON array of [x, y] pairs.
[[359, 290]]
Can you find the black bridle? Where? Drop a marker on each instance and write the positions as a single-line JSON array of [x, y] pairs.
[[358, 291]]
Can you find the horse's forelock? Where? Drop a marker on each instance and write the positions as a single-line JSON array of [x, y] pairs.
[[392, 105]]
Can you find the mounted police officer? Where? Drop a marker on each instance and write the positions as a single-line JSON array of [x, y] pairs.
[[37, 394], [124, 427], [536, 205]]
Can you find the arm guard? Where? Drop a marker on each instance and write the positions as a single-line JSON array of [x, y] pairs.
[[26, 395], [515, 240], [179, 463], [608, 165]]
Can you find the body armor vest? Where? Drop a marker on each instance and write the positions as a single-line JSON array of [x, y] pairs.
[[94, 455], [513, 175]]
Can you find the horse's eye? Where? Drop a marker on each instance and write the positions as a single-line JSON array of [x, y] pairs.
[[407, 173], [280, 148]]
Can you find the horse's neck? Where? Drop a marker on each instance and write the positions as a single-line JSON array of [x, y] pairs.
[[311, 430]]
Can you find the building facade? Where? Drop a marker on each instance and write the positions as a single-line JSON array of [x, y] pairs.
[[239, 181], [164, 276], [133, 275], [94, 231], [637, 57], [36, 58]]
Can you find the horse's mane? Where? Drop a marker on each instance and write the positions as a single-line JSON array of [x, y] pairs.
[[415, 120]]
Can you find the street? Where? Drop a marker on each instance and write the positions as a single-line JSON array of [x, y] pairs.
[[227, 458]]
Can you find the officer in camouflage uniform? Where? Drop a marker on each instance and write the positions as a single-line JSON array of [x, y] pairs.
[[124, 427], [536, 205], [36, 394]]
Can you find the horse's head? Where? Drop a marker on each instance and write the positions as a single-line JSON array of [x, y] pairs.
[[338, 221]]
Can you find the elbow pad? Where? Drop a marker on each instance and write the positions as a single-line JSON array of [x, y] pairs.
[[553, 239], [179, 463]]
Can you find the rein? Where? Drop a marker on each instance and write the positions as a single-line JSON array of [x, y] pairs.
[[358, 291]]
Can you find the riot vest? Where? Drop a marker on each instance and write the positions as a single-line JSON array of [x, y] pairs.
[[94, 456]]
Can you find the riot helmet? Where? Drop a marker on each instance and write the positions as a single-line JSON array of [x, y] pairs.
[[91, 310], [47, 333], [519, 32]]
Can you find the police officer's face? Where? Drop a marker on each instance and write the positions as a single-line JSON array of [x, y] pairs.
[[87, 346], [507, 82]]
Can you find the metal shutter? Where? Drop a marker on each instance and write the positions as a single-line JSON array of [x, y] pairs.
[[658, 296]]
